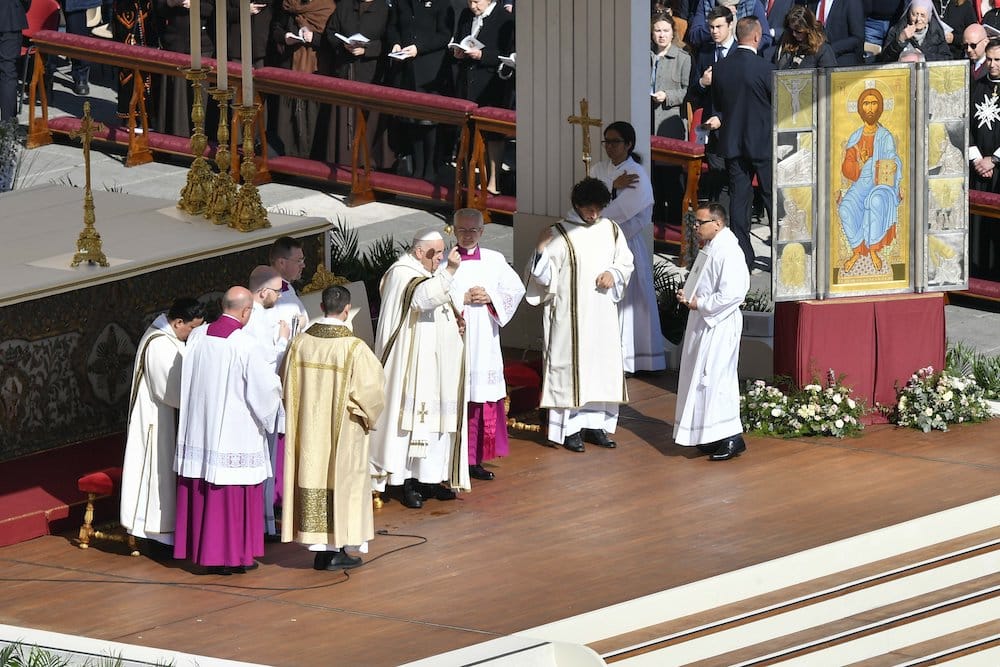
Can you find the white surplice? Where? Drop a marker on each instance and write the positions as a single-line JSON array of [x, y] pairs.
[[229, 399], [484, 359], [421, 433], [632, 208], [149, 485], [583, 381], [708, 391]]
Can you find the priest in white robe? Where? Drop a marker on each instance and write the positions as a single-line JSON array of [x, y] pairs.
[[708, 391], [487, 292], [579, 272], [419, 441], [229, 398], [272, 336], [334, 393], [631, 207], [149, 485]]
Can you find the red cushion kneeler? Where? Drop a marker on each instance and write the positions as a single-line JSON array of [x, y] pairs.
[[101, 483]]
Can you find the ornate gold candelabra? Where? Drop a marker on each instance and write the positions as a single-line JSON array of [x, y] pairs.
[[223, 196], [88, 245], [197, 191], [248, 211]]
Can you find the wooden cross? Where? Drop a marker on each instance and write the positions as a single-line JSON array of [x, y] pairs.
[[422, 412], [585, 122]]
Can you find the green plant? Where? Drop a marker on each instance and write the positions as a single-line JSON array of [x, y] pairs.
[[12, 161], [757, 301], [673, 314], [986, 370], [959, 359], [812, 410], [931, 400]]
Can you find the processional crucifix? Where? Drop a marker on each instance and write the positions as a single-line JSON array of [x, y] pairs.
[[88, 246], [585, 122]]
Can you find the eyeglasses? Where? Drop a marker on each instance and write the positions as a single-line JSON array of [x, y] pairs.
[[459, 230], [698, 222], [973, 45], [613, 141]]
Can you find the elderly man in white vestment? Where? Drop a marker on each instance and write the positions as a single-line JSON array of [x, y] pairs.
[[149, 485], [419, 441], [272, 335], [334, 393], [579, 272], [229, 398], [708, 391], [487, 292]]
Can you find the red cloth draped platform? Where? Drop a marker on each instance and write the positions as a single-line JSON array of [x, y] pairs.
[[39, 494], [876, 343]]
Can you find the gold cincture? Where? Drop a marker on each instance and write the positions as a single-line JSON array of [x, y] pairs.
[[88, 246], [198, 189]]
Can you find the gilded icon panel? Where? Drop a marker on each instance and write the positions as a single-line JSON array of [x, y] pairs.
[[945, 258], [794, 92]]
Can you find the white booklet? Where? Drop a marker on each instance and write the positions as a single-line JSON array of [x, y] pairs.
[[357, 39], [470, 43], [399, 55], [695, 274], [510, 61]]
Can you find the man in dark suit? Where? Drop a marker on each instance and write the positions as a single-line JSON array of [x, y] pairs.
[[776, 12], [12, 22], [844, 22], [741, 95], [722, 44]]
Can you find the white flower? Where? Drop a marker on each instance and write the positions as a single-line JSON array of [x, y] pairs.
[[851, 403], [928, 411], [837, 398], [776, 412], [839, 423]]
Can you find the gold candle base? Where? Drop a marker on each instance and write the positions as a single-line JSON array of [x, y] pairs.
[[198, 188], [88, 246], [377, 502], [223, 196], [249, 213]]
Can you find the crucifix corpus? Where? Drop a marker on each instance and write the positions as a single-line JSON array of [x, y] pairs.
[[585, 122], [88, 246]]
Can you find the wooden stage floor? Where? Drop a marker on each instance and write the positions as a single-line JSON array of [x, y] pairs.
[[555, 535]]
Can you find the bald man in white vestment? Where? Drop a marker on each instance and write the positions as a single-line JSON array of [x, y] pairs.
[[419, 440], [579, 272]]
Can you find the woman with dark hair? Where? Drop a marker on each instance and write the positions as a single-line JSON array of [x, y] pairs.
[[632, 208], [803, 43]]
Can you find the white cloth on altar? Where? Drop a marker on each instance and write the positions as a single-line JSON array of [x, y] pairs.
[[708, 391], [583, 363], [643, 345], [229, 399], [421, 433], [484, 359], [149, 485]]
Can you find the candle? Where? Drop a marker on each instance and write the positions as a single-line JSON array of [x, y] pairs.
[[195, 34], [246, 56], [221, 46]]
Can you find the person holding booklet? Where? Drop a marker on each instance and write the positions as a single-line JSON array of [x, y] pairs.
[[484, 33], [708, 391]]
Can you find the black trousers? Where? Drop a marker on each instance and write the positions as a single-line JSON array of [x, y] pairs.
[[741, 172], [76, 24], [10, 49]]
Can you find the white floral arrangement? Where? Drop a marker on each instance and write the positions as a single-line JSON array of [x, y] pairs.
[[814, 410], [931, 400]]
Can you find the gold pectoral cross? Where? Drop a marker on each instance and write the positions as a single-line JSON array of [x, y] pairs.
[[422, 412], [585, 122]]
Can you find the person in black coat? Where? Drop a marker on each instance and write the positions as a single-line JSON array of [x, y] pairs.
[[803, 43], [919, 28], [419, 30], [741, 95], [845, 28], [261, 16], [358, 62], [13, 20]]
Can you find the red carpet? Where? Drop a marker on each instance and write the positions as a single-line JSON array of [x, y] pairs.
[[38, 494]]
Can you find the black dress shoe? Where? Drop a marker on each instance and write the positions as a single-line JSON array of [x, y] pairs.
[[708, 447], [81, 88], [411, 497], [219, 569], [341, 560], [597, 436], [573, 443], [243, 569], [479, 472], [322, 559], [437, 491], [729, 448], [271, 538]]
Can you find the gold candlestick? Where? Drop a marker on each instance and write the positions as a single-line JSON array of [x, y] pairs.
[[248, 211], [198, 189], [88, 245], [223, 197]]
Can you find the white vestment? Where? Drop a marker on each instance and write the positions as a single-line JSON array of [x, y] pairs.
[[484, 359], [421, 433], [149, 485], [583, 373], [229, 398], [708, 391], [632, 209]]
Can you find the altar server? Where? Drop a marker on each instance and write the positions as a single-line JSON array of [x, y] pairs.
[[708, 392], [229, 398], [334, 393], [631, 207], [149, 484], [419, 440], [578, 273], [487, 292]]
